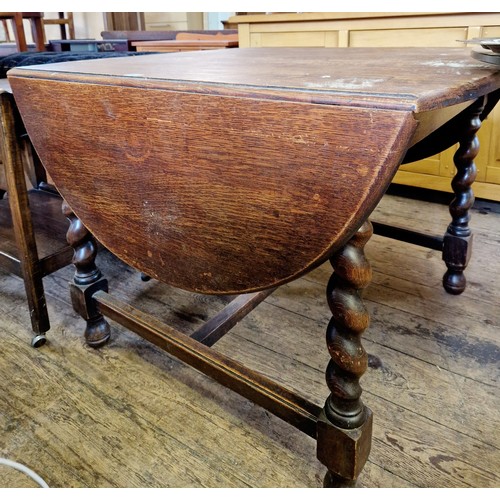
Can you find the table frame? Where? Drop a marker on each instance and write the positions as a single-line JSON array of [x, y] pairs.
[[343, 427]]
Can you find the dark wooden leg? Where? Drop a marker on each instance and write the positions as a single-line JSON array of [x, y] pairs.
[[87, 280], [457, 243], [345, 424], [22, 224]]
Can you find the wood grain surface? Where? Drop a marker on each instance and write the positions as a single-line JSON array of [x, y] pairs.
[[235, 173], [210, 193]]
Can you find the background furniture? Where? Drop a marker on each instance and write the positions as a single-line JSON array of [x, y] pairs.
[[32, 226], [35, 19], [89, 45], [398, 29], [139, 36], [65, 23], [176, 21]]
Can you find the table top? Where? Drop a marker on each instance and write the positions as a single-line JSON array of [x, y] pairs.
[[237, 170], [418, 79]]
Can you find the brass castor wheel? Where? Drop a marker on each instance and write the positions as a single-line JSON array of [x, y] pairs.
[[38, 340]]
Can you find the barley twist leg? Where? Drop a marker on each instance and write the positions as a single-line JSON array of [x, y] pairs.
[[457, 243], [344, 427], [87, 280]]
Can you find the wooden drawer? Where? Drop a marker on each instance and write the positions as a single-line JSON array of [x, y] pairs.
[[167, 26]]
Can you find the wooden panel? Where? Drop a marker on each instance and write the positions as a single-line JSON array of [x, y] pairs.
[[493, 175], [173, 20], [165, 17], [428, 166], [484, 190], [495, 126], [170, 26], [299, 27], [294, 39], [491, 31], [439, 37], [492, 154], [124, 21], [244, 35]]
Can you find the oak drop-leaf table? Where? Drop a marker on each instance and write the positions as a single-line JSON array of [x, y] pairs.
[[233, 172]]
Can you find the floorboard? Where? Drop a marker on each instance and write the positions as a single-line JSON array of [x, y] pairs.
[[128, 415]]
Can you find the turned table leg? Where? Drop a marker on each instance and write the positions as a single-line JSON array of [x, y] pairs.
[[457, 243], [345, 424], [87, 280]]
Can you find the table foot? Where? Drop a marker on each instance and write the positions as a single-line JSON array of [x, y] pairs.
[[457, 243], [456, 254], [87, 280], [345, 424], [332, 480]]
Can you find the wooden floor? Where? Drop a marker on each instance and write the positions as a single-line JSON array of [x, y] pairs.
[[128, 415]]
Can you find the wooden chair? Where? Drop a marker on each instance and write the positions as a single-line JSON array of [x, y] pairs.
[[32, 226], [63, 21], [35, 19]]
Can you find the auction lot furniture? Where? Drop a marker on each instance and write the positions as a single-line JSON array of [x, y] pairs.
[[244, 170], [35, 19]]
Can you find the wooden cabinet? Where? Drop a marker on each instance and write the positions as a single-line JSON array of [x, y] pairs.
[[173, 21], [358, 29]]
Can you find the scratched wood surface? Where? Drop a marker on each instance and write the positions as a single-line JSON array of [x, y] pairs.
[[290, 177], [128, 415]]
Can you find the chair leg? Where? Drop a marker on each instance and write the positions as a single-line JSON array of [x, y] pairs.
[[18, 28], [21, 219], [71, 25], [37, 32], [6, 31]]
